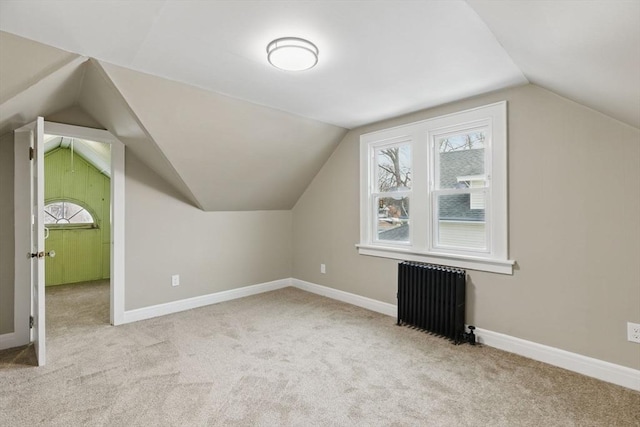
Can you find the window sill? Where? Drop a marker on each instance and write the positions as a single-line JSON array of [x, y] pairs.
[[459, 261], [53, 227]]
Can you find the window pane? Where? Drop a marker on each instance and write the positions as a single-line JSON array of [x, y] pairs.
[[66, 213], [460, 224], [52, 212], [82, 217], [71, 210], [461, 160], [393, 219], [394, 168]]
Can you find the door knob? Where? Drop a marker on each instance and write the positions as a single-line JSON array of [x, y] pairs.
[[50, 254]]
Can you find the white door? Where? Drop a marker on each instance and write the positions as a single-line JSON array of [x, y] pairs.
[[29, 142]]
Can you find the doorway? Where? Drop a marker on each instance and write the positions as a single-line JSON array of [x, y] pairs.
[[77, 205], [116, 210], [29, 278]]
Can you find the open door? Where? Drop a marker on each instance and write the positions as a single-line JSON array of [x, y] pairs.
[[29, 297], [29, 146]]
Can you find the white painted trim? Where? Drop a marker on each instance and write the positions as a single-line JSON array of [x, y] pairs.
[[596, 368], [116, 313], [201, 301], [459, 261], [61, 129], [349, 298], [589, 366]]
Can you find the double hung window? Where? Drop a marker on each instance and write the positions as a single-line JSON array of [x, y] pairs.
[[436, 191]]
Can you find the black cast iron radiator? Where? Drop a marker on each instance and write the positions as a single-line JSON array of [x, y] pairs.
[[431, 298]]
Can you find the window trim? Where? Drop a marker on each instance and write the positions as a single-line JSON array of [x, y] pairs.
[[421, 135]]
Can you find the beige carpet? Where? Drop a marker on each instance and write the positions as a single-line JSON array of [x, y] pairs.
[[283, 358]]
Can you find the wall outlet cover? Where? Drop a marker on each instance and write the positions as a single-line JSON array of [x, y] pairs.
[[175, 280], [633, 332], [323, 269]]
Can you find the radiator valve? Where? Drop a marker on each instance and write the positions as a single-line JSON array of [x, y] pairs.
[[470, 337]]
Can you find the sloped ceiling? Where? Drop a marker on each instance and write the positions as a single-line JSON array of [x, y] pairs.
[[96, 153], [175, 61], [101, 99], [220, 153], [20, 71], [378, 59], [587, 51], [31, 87], [68, 87], [233, 155]]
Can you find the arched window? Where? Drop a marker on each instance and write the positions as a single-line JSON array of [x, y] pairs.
[[65, 213]]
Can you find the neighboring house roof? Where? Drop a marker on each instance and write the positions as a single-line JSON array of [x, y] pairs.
[[397, 234], [453, 165]]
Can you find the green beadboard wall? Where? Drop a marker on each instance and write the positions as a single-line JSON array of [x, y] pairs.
[[82, 254]]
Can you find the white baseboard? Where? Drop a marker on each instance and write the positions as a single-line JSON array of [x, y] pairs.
[[605, 371], [201, 301], [596, 368], [353, 299]]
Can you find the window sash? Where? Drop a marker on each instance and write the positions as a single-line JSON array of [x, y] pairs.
[[436, 243], [423, 194], [374, 209]]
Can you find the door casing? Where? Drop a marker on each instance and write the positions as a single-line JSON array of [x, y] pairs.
[[22, 293]]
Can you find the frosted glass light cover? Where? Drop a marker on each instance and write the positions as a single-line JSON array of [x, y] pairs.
[[292, 54]]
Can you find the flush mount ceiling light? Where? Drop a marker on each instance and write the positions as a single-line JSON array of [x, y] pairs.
[[292, 54]]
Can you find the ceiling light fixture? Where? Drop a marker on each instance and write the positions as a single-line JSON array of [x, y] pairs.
[[292, 54]]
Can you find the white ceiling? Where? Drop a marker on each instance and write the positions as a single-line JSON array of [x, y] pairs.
[[377, 59], [587, 51]]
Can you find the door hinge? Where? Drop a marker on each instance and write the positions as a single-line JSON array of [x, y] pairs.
[[30, 322], [31, 153]]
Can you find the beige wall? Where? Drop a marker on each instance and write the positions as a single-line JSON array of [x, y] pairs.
[[212, 251], [574, 230], [6, 234], [574, 203]]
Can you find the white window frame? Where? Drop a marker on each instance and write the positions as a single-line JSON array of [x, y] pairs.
[[422, 245]]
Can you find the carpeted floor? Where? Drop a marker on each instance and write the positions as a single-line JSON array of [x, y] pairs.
[[282, 358]]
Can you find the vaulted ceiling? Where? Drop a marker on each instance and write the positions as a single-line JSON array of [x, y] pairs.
[[220, 153], [186, 85]]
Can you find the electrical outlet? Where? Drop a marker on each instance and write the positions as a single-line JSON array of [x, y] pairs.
[[323, 269], [633, 332], [175, 280]]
